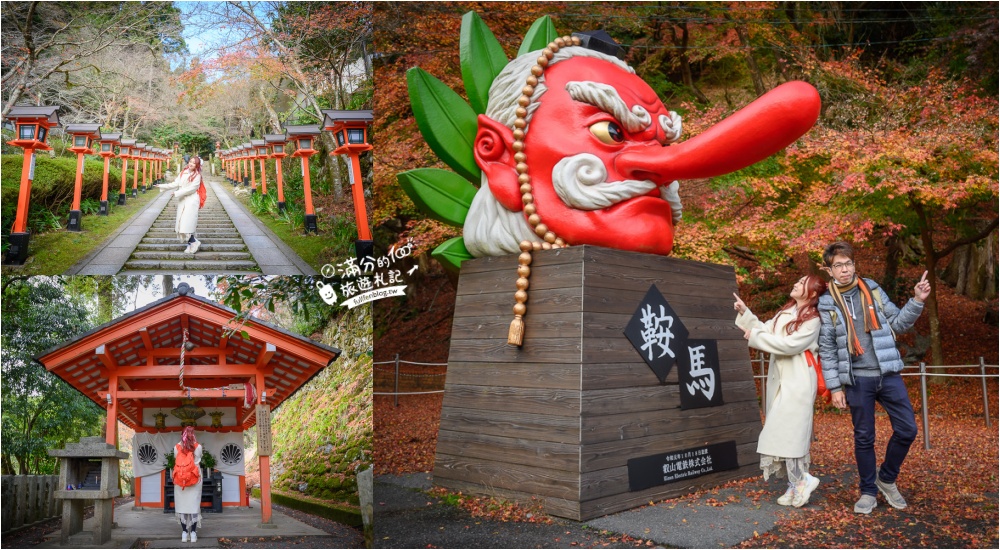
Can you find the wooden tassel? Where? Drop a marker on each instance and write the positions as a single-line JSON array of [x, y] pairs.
[[515, 336]]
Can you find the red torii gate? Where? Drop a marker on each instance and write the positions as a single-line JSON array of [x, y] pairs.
[[132, 366]]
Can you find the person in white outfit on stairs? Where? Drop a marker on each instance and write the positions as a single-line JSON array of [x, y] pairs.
[[791, 385], [190, 190]]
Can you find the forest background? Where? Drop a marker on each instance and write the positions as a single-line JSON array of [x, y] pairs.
[[127, 65], [903, 160]]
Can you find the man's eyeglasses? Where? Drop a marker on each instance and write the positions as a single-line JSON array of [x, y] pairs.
[[845, 265]]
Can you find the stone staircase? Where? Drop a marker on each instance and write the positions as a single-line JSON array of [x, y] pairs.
[[222, 249]]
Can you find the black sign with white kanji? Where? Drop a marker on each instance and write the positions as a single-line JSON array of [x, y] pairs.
[[657, 333], [698, 373], [660, 469]]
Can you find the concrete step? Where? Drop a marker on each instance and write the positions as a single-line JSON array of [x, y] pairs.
[[180, 255], [188, 265], [205, 247], [173, 240], [206, 225], [199, 233]]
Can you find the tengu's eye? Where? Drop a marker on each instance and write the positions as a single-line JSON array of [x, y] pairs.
[[608, 132]]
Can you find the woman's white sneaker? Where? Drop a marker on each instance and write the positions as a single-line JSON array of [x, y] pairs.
[[803, 490], [786, 499]]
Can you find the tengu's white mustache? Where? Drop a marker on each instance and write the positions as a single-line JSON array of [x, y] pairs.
[[579, 181]]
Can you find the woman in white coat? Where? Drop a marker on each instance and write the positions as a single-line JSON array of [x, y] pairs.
[[791, 385], [187, 500], [190, 190]]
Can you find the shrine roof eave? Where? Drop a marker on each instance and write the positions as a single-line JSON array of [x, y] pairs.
[[292, 352], [153, 305]]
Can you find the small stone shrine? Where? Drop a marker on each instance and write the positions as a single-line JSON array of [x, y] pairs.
[[88, 470]]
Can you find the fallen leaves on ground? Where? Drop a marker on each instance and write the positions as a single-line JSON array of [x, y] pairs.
[[951, 488]]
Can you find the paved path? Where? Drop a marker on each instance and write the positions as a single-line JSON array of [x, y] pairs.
[[407, 517], [161, 530], [234, 242]]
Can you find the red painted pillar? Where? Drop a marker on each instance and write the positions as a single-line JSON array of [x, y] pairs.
[[310, 211], [358, 193], [111, 431], [263, 176], [104, 188], [253, 176], [135, 178], [24, 195], [121, 194], [281, 191], [75, 216]]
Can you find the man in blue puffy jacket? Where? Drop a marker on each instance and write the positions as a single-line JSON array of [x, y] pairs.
[[861, 366]]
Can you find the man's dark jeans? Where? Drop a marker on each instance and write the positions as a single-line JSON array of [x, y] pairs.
[[890, 391]]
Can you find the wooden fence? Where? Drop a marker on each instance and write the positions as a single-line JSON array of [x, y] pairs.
[[28, 500]]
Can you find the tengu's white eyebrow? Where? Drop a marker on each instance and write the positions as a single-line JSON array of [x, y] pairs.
[[607, 99]]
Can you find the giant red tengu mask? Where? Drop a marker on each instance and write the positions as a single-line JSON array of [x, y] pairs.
[[597, 153], [568, 146]]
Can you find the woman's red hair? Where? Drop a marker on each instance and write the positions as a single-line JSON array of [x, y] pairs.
[[815, 286], [188, 441], [197, 169]]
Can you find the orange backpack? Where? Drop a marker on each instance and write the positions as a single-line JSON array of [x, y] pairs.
[[186, 472], [821, 390]]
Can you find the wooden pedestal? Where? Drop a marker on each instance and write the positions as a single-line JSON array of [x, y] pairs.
[[559, 418]]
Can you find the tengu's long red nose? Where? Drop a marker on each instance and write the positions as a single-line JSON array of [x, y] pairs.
[[755, 132]]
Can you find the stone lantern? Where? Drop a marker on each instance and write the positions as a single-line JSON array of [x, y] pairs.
[[107, 150], [88, 471], [302, 137], [31, 128], [350, 131], [276, 148], [83, 136]]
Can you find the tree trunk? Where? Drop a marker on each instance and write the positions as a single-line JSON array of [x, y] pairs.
[[973, 269], [758, 79], [890, 275], [930, 263], [686, 65]]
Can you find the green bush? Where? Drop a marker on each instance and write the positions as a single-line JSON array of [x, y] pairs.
[[52, 188]]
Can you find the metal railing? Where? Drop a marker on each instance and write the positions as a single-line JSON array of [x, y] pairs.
[[922, 368], [396, 363]]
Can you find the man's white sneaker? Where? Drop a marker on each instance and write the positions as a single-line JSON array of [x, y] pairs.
[[891, 494], [865, 504], [184, 536]]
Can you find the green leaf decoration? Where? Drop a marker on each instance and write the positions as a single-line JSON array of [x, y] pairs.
[[442, 195], [445, 120], [451, 254], [482, 59], [542, 32]]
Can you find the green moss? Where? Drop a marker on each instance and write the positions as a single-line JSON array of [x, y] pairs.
[[340, 513]]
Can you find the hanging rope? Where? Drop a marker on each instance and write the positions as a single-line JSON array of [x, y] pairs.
[[183, 348]]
